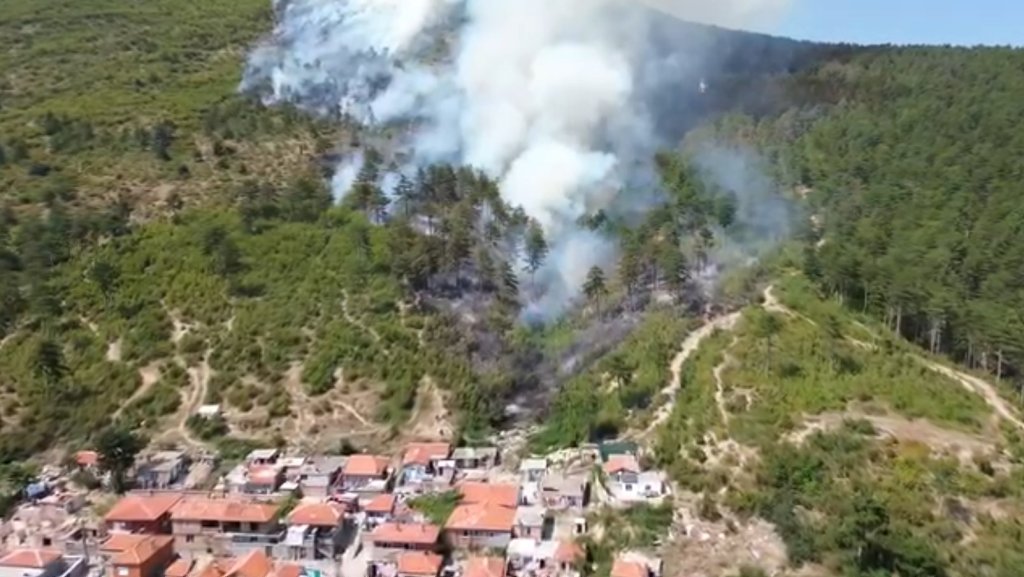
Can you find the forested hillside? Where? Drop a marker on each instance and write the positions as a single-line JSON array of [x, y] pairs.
[[914, 176]]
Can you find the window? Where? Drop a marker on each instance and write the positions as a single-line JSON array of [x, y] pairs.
[[122, 571], [190, 538]]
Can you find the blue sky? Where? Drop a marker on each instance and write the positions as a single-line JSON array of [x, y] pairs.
[[964, 22]]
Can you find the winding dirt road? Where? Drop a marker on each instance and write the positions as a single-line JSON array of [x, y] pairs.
[[689, 346]]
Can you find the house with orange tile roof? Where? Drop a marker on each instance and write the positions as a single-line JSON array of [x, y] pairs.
[[365, 474], [634, 564], [426, 467], [225, 526], [87, 459], [379, 509], [41, 563], [129, 555], [316, 530], [142, 513], [480, 525], [180, 568], [485, 567], [560, 558], [391, 538], [418, 564], [627, 481], [485, 517], [501, 494]]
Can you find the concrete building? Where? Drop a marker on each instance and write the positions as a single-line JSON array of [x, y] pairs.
[[142, 513], [316, 531], [130, 555], [162, 470], [225, 526], [41, 563]]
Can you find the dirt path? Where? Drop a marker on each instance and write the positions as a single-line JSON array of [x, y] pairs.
[[689, 346], [964, 445], [984, 389], [150, 375], [727, 361], [987, 391], [352, 319], [199, 377]]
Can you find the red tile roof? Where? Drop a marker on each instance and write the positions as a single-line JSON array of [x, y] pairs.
[[485, 567], [317, 514], [289, 570], [617, 463], [30, 558], [568, 552], [137, 508], [264, 474], [254, 564], [476, 517], [180, 568], [384, 503], [628, 569], [420, 564], [365, 466], [501, 494], [424, 453], [223, 510], [412, 533], [87, 458], [141, 551]]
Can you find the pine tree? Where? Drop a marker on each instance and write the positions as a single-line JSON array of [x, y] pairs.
[[536, 249], [405, 192], [594, 287]]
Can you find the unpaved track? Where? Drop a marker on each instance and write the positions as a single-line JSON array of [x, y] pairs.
[[901, 429], [727, 361], [150, 375], [988, 392], [689, 346]]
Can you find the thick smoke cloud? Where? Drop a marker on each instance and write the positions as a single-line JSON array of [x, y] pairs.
[[550, 97]]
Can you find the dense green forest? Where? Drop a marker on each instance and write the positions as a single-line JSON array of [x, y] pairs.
[[913, 171]]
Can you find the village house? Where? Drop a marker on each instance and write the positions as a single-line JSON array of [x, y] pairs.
[[485, 516], [561, 492], [180, 568], [485, 567], [365, 474], [475, 458], [379, 509], [255, 563], [52, 522], [142, 513], [404, 537], [130, 555], [316, 531], [633, 564], [533, 470], [418, 564], [627, 482], [549, 558], [41, 563], [224, 526], [422, 467], [162, 470], [318, 474], [263, 457], [529, 522], [87, 460]]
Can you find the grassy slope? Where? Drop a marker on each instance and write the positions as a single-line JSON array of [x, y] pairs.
[[110, 69], [813, 492]]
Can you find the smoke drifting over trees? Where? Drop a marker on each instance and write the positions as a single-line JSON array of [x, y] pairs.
[[557, 100]]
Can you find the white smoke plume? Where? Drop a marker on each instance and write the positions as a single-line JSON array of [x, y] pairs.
[[546, 96]]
